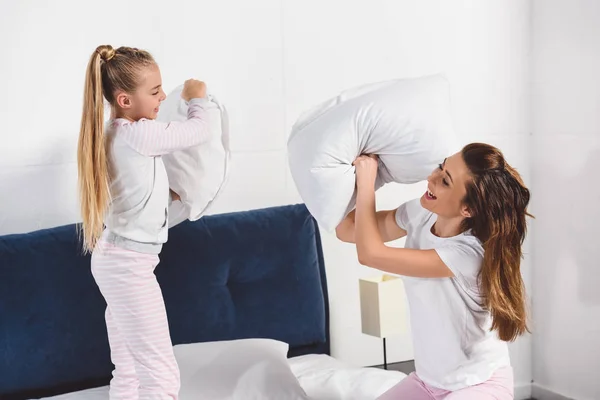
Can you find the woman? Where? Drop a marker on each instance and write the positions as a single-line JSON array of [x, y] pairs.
[[461, 264]]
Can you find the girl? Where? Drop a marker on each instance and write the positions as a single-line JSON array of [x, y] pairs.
[[124, 195], [461, 268]]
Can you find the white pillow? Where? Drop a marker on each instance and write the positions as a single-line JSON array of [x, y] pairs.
[[407, 122], [323, 377], [197, 174], [246, 369]]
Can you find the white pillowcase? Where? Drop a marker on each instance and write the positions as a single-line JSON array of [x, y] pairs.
[[325, 378], [246, 369], [197, 174], [407, 122]]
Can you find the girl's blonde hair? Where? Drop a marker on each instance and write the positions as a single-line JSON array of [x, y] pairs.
[[108, 71]]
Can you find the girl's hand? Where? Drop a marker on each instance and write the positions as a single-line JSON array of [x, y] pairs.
[[366, 171], [193, 89]]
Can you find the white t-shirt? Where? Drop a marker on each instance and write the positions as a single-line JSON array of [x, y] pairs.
[[453, 345]]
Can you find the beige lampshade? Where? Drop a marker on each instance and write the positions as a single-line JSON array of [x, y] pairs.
[[382, 306]]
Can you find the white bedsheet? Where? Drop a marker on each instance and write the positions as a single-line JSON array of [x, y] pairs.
[[321, 376]]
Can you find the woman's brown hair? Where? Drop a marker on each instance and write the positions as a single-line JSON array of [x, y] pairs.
[[498, 199]]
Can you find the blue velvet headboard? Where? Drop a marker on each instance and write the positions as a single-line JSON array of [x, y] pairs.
[[248, 274]]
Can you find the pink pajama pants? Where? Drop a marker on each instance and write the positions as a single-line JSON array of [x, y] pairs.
[[498, 387], [136, 322]]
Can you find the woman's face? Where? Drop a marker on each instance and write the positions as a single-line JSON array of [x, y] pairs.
[[446, 188]]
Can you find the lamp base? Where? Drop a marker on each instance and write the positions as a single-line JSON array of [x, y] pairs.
[[384, 355]]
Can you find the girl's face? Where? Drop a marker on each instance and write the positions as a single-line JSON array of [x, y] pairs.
[[145, 101], [446, 189]]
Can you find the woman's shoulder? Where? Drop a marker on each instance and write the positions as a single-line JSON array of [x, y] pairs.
[[470, 239], [467, 243]]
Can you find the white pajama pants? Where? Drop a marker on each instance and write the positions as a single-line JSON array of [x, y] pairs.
[[136, 322]]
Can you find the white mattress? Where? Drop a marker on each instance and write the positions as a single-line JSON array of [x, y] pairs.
[[322, 377]]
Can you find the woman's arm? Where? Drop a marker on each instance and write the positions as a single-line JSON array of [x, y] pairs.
[[386, 223], [370, 246]]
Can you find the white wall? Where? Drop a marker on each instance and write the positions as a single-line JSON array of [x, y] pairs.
[[268, 60], [565, 166]]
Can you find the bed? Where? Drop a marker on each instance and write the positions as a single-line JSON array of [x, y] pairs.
[[246, 296]]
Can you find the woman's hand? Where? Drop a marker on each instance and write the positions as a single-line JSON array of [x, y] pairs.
[[366, 171]]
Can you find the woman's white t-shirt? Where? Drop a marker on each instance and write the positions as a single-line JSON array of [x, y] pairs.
[[452, 342]]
